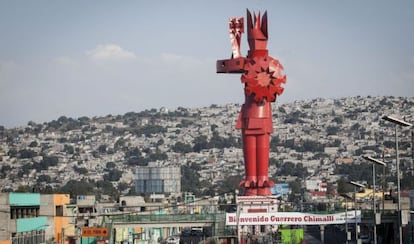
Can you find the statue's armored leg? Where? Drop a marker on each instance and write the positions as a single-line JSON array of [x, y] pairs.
[[249, 148], [262, 167]]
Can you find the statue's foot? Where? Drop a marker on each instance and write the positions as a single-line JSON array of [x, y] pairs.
[[250, 186], [250, 182], [264, 181]]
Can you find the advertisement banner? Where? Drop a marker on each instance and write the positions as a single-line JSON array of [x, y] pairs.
[[292, 218], [280, 189]]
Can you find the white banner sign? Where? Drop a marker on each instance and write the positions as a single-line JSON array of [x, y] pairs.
[[292, 218]]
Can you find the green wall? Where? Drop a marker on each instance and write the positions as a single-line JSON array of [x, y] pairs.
[[30, 224], [292, 236], [24, 199]]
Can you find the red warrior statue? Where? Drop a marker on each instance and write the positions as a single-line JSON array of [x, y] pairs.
[[262, 76]]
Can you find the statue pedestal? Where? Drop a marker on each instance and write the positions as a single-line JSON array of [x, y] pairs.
[[258, 205]]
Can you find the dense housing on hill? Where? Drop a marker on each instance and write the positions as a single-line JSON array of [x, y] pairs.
[[314, 140]]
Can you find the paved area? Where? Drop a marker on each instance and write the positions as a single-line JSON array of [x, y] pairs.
[[311, 240]]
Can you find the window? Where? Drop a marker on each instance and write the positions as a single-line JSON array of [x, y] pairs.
[[59, 210], [24, 212]]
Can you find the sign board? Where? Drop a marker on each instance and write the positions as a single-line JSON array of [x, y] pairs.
[[94, 232], [257, 200], [292, 218], [281, 189], [157, 196]]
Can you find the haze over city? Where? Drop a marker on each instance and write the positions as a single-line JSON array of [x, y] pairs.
[[96, 58]]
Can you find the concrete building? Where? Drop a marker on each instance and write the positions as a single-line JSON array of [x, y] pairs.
[[53, 206], [316, 185], [86, 210], [20, 219], [158, 180], [33, 218]]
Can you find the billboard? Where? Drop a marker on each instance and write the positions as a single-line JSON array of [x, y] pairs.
[[280, 189], [292, 218]]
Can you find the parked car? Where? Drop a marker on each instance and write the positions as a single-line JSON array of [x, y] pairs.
[[186, 232], [365, 239], [197, 231], [173, 240]]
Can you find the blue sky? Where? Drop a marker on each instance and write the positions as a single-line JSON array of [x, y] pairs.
[[94, 58]]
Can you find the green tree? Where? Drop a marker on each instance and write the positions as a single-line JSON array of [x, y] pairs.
[[46, 162], [190, 179], [160, 142], [200, 143], [310, 146], [338, 120], [274, 143], [294, 117], [102, 148], [68, 149], [344, 186], [80, 170], [295, 188], [181, 147], [107, 188], [24, 170], [27, 153], [110, 165], [289, 168], [230, 184], [75, 188], [113, 175], [185, 123], [24, 188], [355, 127], [33, 144], [44, 178], [12, 153], [330, 189], [157, 155], [119, 144], [122, 186], [332, 130], [148, 130], [5, 169], [135, 152], [355, 172]]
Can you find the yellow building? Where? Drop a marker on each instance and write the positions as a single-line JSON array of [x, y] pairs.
[[53, 206]]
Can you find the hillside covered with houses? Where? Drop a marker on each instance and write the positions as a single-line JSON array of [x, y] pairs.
[[316, 144]]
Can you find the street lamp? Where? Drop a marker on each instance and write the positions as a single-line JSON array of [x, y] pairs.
[[374, 161], [398, 122], [355, 184], [346, 217]]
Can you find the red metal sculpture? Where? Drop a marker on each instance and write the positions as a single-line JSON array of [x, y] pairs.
[[262, 76]]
